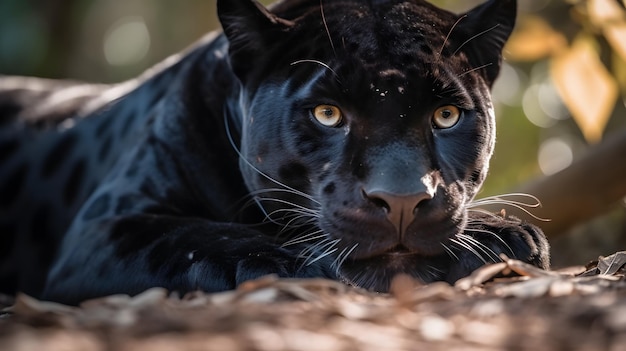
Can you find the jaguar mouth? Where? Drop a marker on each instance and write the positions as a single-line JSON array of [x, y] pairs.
[[376, 272], [398, 250]]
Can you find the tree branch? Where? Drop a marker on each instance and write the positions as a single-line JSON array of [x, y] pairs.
[[589, 187]]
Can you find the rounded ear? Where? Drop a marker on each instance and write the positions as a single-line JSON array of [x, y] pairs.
[[250, 29], [482, 32]]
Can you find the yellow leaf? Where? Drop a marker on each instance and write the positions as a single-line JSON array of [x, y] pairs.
[[533, 39], [586, 87], [616, 36]]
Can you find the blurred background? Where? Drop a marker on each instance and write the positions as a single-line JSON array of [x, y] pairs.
[[560, 96]]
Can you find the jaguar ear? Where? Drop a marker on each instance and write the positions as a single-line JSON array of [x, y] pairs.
[[482, 33], [250, 29]]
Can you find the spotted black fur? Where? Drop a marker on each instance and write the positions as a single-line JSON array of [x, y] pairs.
[[211, 168]]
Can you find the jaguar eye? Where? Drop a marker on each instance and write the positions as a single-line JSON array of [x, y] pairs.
[[328, 115], [446, 117]]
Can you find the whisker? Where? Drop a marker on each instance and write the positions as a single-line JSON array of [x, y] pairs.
[[327, 248], [342, 257], [294, 212], [304, 238], [475, 69], [304, 221], [332, 45], [469, 248], [249, 164], [296, 206], [288, 191], [480, 210], [339, 256], [310, 250], [501, 200], [474, 37], [448, 36], [329, 251], [521, 208], [503, 197], [494, 235], [316, 62], [297, 213], [449, 251], [434, 273], [482, 247]]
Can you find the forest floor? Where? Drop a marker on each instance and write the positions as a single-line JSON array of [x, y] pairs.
[[579, 308]]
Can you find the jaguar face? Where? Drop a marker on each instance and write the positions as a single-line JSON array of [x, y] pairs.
[[374, 137]]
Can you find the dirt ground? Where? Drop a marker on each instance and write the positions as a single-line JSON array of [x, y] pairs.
[[579, 308]]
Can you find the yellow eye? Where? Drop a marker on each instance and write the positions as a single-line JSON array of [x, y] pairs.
[[446, 117], [328, 115]]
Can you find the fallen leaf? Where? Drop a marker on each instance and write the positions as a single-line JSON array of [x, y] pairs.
[[436, 328], [527, 289], [26, 305], [612, 264], [264, 295], [561, 288], [528, 270], [571, 271], [480, 276], [437, 291]]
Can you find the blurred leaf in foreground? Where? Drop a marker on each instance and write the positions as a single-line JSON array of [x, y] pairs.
[[588, 90], [611, 19], [533, 40]]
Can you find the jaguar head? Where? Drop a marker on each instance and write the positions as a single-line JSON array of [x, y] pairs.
[[370, 121]]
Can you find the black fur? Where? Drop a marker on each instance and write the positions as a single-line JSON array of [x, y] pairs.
[[213, 170]]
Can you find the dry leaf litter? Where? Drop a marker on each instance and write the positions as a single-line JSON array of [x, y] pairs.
[[504, 306]]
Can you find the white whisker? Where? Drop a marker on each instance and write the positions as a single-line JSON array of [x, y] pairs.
[[475, 69], [332, 45], [289, 191], [474, 37], [325, 246], [503, 197], [249, 164], [449, 251], [494, 235], [324, 254], [482, 247], [469, 248], [317, 62], [520, 205], [285, 202], [304, 238], [342, 257], [448, 36], [480, 210]]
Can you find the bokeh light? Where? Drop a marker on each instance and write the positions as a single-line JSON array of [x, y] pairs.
[[533, 110], [555, 154], [508, 88], [127, 41]]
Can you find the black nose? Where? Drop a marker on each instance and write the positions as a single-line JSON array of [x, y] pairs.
[[400, 209]]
